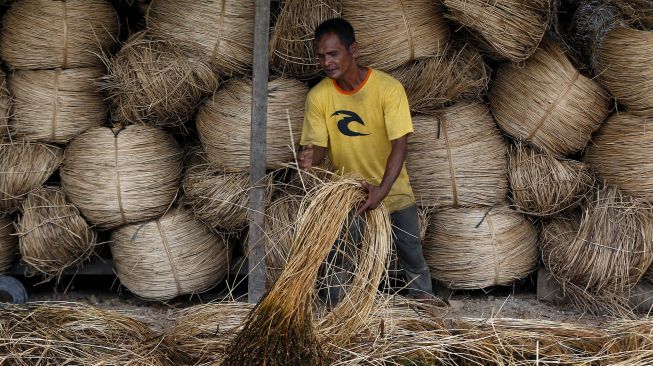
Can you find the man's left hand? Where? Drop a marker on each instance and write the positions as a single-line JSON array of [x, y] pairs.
[[375, 196]]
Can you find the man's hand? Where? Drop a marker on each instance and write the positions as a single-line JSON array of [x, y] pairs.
[[305, 157], [375, 196]]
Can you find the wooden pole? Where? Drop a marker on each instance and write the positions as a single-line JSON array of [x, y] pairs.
[[256, 276]]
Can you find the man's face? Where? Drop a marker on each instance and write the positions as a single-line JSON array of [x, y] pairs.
[[334, 57]]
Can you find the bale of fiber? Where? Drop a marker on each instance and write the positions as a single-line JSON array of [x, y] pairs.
[[152, 81], [620, 154], [219, 31], [56, 105], [280, 224], [170, 256], [24, 167], [457, 158], [5, 108], [548, 103], [542, 185], [8, 244], [393, 33], [291, 42], [224, 123], [52, 234], [625, 68], [121, 177], [473, 248], [46, 34], [510, 30]]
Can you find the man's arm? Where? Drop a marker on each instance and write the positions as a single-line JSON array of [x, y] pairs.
[[311, 156]]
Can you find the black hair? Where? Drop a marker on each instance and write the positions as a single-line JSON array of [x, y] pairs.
[[339, 27]]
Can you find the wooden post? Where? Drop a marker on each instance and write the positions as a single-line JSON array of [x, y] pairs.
[[256, 276]]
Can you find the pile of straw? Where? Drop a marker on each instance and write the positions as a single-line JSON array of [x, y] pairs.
[[434, 82], [473, 248], [56, 105], [170, 256], [5, 108], [393, 33], [45, 34], [542, 185], [291, 42], [152, 81], [280, 224], [219, 31], [457, 158], [224, 123], [620, 154], [510, 30], [52, 234], [601, 255], [24, 167], [8, 244], [548, 103], [121, 177], [625, 67]]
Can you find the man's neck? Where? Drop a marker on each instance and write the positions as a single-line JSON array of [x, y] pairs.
[[353, 78]]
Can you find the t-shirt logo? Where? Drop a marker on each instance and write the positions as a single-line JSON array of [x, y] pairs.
[[349, 117]]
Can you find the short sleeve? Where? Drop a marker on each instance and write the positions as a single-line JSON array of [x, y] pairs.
[[397, 113], [314, 130]]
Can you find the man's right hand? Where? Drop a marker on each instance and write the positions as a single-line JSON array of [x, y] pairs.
[[305, 157]]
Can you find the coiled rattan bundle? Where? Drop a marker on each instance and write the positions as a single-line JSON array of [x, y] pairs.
[[224, 123], [46, 34], [220, 31], [393, 32], [121, 177], [24, 167], [548, 103], [56, 105], [472, 248], [53, 236], [5, 108], [509, 29], [170, 256], [457, 158], [8, 244], [280, 224]]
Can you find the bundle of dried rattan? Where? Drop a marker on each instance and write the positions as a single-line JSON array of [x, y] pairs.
[[457, 158], [625, 67], [121, 177], [45, 34], [548, 103], [291, 42], [392, 33], [219, 31], [170, 256], [601, 255], [472, 248], [152, 81], [224, 123], [8, 244], [56, 105], [24, 167], [542, 185], [280, 224], [620, 153], [434, 82], [53, 236], [5, 108]]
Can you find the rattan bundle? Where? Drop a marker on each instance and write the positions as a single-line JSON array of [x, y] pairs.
[[24, 167], [542, 185], [5, 108], [509, 29], [625, 67], [53, 236], [151, 80], [121, 177], [457, 158], [434, 82], [620, 154], [472, 248], [56, 105], [291, 42], [170, 256], [46, 34], [219, 31], [224, 123], [8, 244], [392, 33], [280, 222], [547, 102]]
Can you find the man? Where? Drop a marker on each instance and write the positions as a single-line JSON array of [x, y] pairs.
[[361, 118]]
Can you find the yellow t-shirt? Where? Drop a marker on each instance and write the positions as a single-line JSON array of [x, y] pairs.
[[357, 127]]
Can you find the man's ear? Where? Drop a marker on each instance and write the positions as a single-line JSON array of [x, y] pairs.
[[353, 49]]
